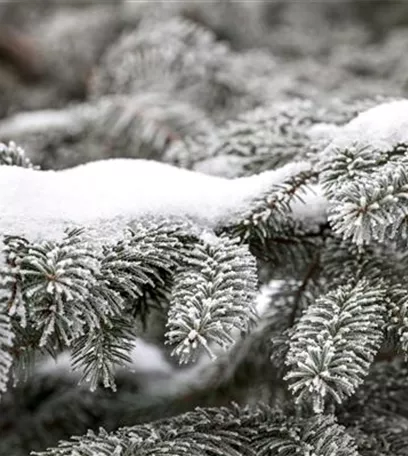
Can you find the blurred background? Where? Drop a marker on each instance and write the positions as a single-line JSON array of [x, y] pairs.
[[88, 79]]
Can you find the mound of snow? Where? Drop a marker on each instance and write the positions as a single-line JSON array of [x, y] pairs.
[[37, 203]]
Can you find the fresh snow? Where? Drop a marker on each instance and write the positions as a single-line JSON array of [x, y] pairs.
[[311, 210], [38, 122], [147, 357], [265, 295], [55, 366], [107, 194], [323, 131], [380, 126]]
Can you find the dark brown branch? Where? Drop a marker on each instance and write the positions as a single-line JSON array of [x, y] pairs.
[[310, 273]]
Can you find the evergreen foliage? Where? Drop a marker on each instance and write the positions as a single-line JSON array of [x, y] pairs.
[[12, 155], [266, 316], [334, 343]]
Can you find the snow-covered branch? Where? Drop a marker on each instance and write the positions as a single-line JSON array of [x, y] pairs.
[[110, 193]]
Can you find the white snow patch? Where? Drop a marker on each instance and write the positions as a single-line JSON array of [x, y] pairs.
[[221, 165], [323, 131], [147, 358], [37, 122], [381, 126], [311, 210], [58, 365], [263, 299], [209, 237], [109, 193]]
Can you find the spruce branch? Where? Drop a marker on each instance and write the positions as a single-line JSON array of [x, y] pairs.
[[317, 435], [176, 255], [75, 292], [381, 435], [384, 392], [327, 360], [6, 343], [271, 212], [13, 155], [288, 302], [366, 212], [354, 163], [222, 431], [142, 125], [260, 139], [364, 175], [99, 353], [144, 260], [377, 263], [127, 67], [56, 282], [213, 295]]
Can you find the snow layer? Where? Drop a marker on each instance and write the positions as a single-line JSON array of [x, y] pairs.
[[147, 357], [323, 131], [380, 126], [38, 122], [311, 210], [109, 193]]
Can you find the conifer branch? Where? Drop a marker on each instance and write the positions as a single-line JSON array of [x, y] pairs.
[[212, 296], [234, 431], [324, 362]]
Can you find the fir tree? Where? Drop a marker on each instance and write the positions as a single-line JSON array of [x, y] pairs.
[[203, 230]]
